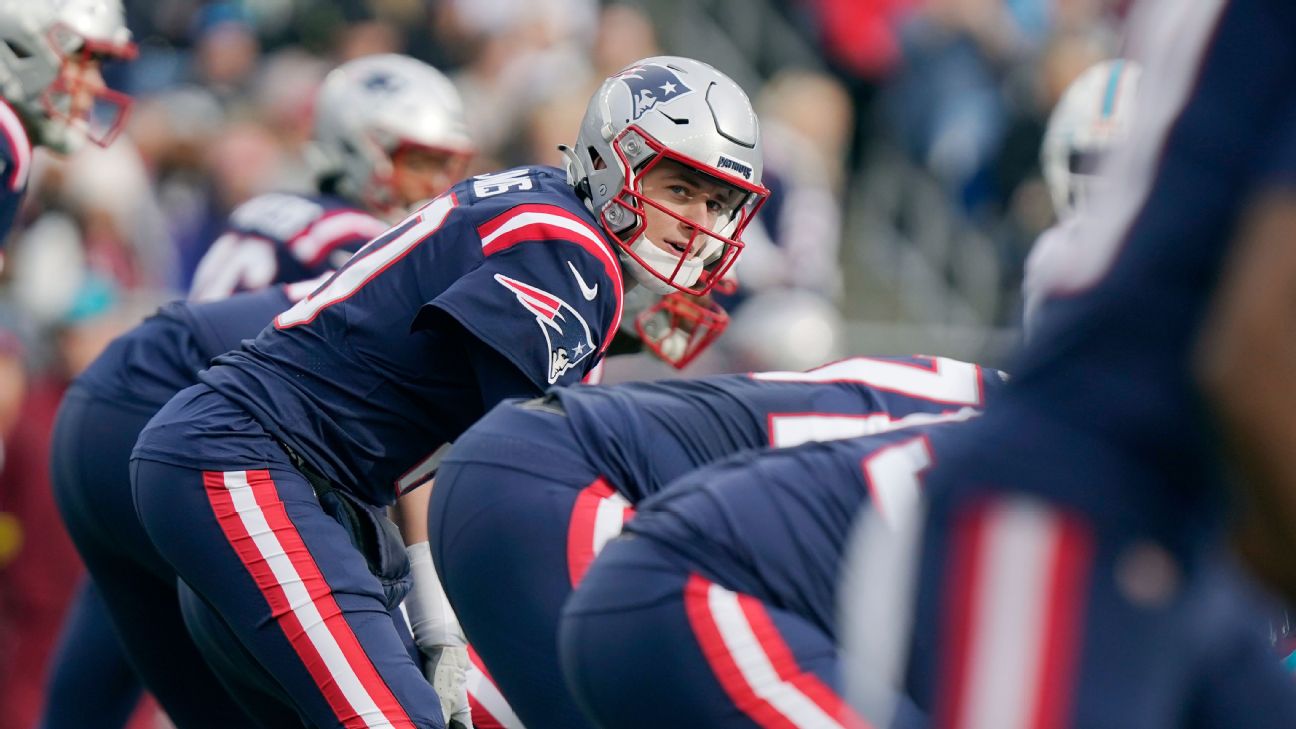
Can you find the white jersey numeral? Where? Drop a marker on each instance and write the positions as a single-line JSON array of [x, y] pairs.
[[894, 476], [948, 381], [234, 263], [494, 184], [787, 430], [370, 261]]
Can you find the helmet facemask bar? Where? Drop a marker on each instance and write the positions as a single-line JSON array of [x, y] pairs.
[[381, 192], [86, 105], [714, 251], [678, 327]]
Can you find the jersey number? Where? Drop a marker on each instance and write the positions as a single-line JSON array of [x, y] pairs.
[[894, 478], [234, 263], [947, 381], [368, 262]]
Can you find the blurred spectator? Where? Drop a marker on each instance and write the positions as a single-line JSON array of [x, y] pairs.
[[226, 50], [806, 119], [39, 568], [625, 34], [524, 53]]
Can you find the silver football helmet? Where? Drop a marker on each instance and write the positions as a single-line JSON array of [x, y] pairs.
[[1093, 116], [371, 109], [50, 52], [669, 108]]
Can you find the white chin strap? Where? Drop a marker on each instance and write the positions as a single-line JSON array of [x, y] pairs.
[[664, 262]]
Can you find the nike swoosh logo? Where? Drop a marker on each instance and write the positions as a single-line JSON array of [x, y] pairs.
[[589, 292]]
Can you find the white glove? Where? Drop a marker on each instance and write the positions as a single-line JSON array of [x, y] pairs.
[[438, 635], [447, 670]]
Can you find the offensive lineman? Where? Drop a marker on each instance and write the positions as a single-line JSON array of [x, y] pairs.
[[530, 493]]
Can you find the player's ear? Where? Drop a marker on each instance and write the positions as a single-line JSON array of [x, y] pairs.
[[599, 164]]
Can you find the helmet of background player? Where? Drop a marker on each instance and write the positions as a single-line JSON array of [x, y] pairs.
[[51, 53], [390, 132], [1093, 115], [668, 157]]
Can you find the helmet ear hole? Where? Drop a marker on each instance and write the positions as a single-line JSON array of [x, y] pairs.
[[599, 164], [18, 50]]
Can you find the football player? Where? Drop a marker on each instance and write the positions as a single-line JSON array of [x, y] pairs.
[[507, 284], [99, 419], [389, 132], [720, 598], [1092, 117], [1062, 573], [719, 607], [391, 129], [54, 95], [530, 493]]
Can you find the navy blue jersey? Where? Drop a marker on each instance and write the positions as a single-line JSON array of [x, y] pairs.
[[640, 436], [373, 373], [15, 166], [1111, 354], [148, 365], [773, 524], [281, 238]]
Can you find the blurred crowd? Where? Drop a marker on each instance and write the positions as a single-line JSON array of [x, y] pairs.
[[943, 96]]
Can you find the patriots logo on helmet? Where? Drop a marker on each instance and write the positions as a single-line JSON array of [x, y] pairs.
[[381, 82], [651, 85], [565, 330]]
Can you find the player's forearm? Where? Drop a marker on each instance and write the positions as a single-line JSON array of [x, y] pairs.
[[1246, 366], [410, 514]]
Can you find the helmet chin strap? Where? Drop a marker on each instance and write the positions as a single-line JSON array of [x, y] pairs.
[[663, 263]]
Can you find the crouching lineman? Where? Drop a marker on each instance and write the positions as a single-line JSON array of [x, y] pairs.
[[51, 58], [531, 492], [416, 116], [504, 286], [719, 607]]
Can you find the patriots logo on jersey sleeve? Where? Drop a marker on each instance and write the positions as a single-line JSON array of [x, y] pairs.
[[651, 85], [566, 332]]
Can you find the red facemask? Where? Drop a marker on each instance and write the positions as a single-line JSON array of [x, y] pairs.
[[99, 112], [679, 327], [633, 202]]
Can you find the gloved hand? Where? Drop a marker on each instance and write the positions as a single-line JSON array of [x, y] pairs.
[[446, 669], [438, 635]]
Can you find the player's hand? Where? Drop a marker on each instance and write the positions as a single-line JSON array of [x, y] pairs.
[[447, 670]]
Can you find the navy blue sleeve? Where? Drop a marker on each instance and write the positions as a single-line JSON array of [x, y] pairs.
[[1280, 163], [15, 164], [545, 307]]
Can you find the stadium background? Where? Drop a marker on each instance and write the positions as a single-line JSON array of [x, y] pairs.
[[902, 142]]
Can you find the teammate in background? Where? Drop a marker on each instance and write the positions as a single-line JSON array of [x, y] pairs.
[[1067, 548], [530, 493], [101, 415], [389, 132], [54, 96], [508, 284], [1093, 116]]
